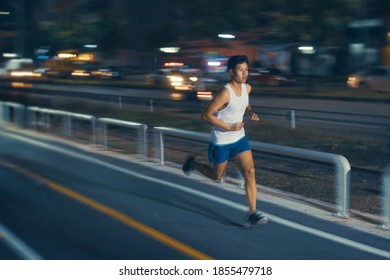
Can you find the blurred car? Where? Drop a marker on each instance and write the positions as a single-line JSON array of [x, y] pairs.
[[18, 66], [374, 78], [24, 73], [173, 78], [80, 73], [109, 73], [57, 73], [270, 77]]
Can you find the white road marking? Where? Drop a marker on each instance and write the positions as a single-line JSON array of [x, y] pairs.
[[231, 204], [21, 249]]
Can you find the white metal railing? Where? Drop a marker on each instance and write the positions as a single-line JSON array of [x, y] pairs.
[[175, 132], [386, 197], [340, 163], [142, 137], [15, 115], [41, 116]]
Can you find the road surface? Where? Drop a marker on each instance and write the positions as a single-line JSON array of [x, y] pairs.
[[63, 201]]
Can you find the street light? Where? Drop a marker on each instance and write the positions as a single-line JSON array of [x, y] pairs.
[[307, 49], [170, 49], [226, 36]]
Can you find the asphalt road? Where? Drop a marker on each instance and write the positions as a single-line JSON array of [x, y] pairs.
[[61, 201]]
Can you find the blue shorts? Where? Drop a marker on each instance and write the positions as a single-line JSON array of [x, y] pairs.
[[221, 153]]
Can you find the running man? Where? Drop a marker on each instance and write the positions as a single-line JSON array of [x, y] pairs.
[[227, 139]]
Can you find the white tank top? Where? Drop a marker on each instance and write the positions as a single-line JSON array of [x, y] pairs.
[[232, 113]]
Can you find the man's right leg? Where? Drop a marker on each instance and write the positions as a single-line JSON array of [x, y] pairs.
[[215, 172]]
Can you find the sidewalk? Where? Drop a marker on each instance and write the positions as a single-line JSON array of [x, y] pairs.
[[365, 222]]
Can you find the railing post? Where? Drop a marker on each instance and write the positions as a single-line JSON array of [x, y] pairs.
[[19, 111], [2, 111], [64, 124], [93, 123], [145, 145], [47, 120], [342, 184], [292, 115], [386, 197], [6, 113], [105, 136], [31, 120], [161, 145], [151, 109], [69, 124]]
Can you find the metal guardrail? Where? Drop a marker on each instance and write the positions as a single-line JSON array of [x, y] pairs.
[[142, 137], [41, 116], [176, 132], [340, 118], [12, 113], [34, 117], [341, 164]]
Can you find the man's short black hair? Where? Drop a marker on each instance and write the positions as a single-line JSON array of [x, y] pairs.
[[237, 59]]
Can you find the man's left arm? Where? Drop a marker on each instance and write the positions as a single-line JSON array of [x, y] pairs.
[[251, 115], [249, 112]]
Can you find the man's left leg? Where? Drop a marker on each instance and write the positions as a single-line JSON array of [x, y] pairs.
[[245, 162]]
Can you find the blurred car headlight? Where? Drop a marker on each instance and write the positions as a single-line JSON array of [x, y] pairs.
[[25, 74], [176, 79], [80, 73], [352, 81], [194, 79]]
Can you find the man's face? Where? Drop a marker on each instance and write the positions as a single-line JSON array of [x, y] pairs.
[[240, 73]]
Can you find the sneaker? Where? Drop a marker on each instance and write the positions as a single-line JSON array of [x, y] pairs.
[[187, 164], [255, 219]]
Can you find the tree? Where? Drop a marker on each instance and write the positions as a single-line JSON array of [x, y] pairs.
[[145, 25], [73, 29], [315, 22]]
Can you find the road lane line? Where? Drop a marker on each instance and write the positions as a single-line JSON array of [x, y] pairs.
[[117, 215], [20, 248], [237, 206]]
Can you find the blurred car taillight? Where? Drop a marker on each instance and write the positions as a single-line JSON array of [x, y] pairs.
[[204, 95]]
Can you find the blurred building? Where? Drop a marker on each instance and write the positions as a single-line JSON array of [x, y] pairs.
[[13, 25], [368, 35]]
